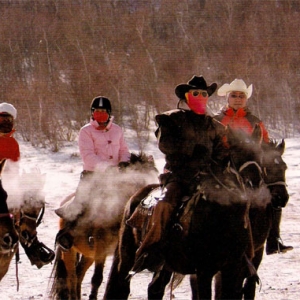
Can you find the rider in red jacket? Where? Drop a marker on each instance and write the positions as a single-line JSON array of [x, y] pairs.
[[237, 115]]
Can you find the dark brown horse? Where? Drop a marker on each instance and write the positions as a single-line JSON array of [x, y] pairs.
[[214, 243], [96, 232], [274, 169]]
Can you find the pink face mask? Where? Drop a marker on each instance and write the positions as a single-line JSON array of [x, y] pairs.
[[197, 103], [101, 116]]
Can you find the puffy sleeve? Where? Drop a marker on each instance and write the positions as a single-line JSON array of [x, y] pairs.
[[87, 151], [9, 148]]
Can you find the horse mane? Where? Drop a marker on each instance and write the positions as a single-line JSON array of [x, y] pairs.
[[26, 189]]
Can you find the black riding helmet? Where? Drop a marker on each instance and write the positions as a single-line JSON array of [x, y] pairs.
[[101, 102]]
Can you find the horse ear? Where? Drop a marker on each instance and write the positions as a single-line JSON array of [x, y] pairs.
[[257, 134], [281, 146]]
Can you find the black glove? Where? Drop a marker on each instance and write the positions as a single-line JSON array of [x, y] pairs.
[[123, 165]]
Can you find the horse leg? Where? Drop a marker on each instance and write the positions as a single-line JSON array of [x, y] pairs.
[[83, 265], [204, 280], [118, 285], [156, 288], [194, 286], [231, 283], [69, 259], [97, 279], [250, 283]]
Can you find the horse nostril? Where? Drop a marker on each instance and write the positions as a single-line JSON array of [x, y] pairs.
[[25, 235], [8, 240]]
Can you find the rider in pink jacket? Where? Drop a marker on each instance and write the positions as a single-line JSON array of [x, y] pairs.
[[101, 146]]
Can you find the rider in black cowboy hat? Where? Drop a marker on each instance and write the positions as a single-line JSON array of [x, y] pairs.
[[185, 155]]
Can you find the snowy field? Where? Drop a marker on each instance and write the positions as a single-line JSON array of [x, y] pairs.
[[279, 274]]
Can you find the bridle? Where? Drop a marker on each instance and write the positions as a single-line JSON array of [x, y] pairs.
[[25, 237], [7, 239]]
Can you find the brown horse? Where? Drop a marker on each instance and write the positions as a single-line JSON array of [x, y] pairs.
[[8, 235], [96, 231], [215, 237], [26, 208]]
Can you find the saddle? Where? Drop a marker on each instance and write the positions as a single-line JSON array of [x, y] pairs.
[[141, 217]]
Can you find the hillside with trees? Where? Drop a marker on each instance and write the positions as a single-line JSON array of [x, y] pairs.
[[56, 55]]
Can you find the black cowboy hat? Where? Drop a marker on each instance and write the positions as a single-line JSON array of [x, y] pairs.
[[197, 82]]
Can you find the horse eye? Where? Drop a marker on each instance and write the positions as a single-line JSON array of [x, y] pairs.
[[276, 161]]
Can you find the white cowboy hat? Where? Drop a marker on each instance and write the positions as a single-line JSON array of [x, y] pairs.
[[237, 85], [8, 108]]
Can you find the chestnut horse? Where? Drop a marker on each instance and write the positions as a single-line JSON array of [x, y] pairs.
[[8, 235], [96, 231]]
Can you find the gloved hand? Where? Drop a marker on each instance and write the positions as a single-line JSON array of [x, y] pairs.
[[123, 165]]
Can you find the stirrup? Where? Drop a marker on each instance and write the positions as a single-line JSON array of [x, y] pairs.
[[278, 248]]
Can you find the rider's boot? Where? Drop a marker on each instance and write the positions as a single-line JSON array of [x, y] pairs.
[[38, 253], [274, 242], [69, 212], [64, 238]]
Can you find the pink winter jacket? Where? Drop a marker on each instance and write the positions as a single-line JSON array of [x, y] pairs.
[[100, 149]]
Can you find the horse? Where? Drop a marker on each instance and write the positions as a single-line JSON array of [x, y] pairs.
[[96, 231], [28, 208], [273, 171], [214, 234], [8, 235]]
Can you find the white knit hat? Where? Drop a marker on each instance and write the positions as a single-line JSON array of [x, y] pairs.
[[237, 85], [8, 108]]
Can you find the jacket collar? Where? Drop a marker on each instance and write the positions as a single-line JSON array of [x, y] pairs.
[[96, 125], [230, 112]]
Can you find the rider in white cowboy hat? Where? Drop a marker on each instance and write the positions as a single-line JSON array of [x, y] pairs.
[[236, 113], [238, 116]]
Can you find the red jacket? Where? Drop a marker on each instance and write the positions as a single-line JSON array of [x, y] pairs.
[[241, 119], [9, 147]]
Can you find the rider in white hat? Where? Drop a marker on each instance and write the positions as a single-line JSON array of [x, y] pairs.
[[238, 116], [236, 113]]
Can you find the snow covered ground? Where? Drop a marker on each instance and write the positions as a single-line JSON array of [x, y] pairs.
[[279, 274]]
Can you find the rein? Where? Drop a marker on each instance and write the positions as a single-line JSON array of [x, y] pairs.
[[3, 215], [248, 163], [276, 183]]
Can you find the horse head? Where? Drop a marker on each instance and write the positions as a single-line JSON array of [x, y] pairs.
[[142, 162], [245, 154], [31, 207], [274, 169]]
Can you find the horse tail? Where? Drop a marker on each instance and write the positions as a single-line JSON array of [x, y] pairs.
[[58, 278]]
